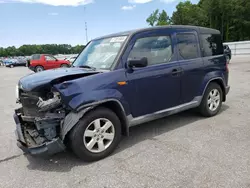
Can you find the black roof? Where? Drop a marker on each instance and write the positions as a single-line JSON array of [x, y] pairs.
[[201, 30]]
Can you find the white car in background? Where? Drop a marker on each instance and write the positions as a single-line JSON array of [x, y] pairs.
[[71, 59]]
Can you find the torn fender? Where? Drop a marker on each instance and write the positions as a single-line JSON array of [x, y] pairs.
[[71, 120]]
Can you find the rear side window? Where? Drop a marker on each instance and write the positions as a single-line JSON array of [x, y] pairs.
[[35, 57], [212, 45], [187, 45]]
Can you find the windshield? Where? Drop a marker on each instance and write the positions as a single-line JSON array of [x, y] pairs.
[[100, 54]]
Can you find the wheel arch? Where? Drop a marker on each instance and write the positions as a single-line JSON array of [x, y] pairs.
[[220, 82], [113, 104]]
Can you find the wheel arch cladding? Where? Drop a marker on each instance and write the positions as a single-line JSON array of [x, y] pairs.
[[220, 82], [73, 117]]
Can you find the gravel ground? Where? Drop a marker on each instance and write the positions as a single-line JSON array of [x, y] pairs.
[[183, 150]]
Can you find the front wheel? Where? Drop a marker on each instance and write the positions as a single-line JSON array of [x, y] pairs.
[[96, 135], [212, 100]]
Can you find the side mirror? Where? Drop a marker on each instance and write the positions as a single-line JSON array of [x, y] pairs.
[[138, 62]]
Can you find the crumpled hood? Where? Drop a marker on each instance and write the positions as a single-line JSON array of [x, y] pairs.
[[36, 81]]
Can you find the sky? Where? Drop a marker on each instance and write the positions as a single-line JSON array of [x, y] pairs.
[[63, 21]]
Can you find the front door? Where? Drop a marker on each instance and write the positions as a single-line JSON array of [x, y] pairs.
[[157, 86], [51, 62]]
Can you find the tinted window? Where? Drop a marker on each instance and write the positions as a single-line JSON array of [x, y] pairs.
[[49, 58], [187, 45], [35, 57], [212, 45], [157, 49]]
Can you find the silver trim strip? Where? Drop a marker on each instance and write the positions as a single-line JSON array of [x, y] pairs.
[[163, 113]]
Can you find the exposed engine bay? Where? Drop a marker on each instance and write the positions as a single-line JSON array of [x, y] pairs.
[[41, 117]]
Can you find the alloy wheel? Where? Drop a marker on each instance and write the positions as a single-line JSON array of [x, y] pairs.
[[213, 100], [99, 135]]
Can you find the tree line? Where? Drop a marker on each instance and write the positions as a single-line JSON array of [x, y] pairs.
[[231, 17], [27, 50]]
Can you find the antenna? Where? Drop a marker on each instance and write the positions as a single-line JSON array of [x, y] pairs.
[[86, 26], [86, 30]]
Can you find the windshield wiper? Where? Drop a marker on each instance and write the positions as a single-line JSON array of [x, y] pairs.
[[87, 67]]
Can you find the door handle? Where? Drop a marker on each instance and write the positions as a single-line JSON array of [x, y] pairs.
[[177, 72]]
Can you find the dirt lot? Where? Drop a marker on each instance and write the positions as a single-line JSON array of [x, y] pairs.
[[184, 150]]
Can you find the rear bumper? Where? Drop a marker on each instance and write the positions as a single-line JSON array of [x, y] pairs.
[[43, 150], [227, 89]]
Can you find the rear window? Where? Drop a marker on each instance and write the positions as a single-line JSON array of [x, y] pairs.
[[212, 45], [187, 45], [35, 57]]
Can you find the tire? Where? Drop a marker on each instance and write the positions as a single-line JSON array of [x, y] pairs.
[[79, 139], [213, 90], [39, 69], [64, 66], [11, 66]]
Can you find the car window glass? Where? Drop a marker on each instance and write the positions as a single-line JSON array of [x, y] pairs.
[[157, 49], [188, 46], [49, 58], [212, 45], [35, 57]]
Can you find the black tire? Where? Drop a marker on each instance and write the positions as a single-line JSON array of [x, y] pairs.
[[11, 66], [76, 135], [39, 68], [204, 106]]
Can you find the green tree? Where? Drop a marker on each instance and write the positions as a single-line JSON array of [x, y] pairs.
[[153, 18], [163, 18], [158, 18], [231, 17], [189, 14]]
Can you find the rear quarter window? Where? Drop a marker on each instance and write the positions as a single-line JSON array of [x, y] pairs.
[[35, 57], [211, 45], [187, 45]]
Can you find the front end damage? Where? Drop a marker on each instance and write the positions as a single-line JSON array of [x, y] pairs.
[[38, 123]]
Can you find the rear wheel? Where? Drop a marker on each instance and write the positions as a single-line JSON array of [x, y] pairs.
[[96, 135], [11, 66], [64, 65], [212, 100], [39, 69]]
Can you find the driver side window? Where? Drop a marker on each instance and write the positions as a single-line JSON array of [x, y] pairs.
[[49, 58], [157, 49]]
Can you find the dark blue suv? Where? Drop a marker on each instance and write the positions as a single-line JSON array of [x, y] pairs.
[[119, 81]]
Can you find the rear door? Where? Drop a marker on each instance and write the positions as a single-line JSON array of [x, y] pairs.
[[191, 63]]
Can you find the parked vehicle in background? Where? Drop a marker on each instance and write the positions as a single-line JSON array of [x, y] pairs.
[[71, 59], [15, 62], [227, 52], [41, 62], [119, 81]]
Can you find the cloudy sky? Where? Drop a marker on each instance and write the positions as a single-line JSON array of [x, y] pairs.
[[63, 21]]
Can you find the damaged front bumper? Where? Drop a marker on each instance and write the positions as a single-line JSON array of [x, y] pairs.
[[46, 148]]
